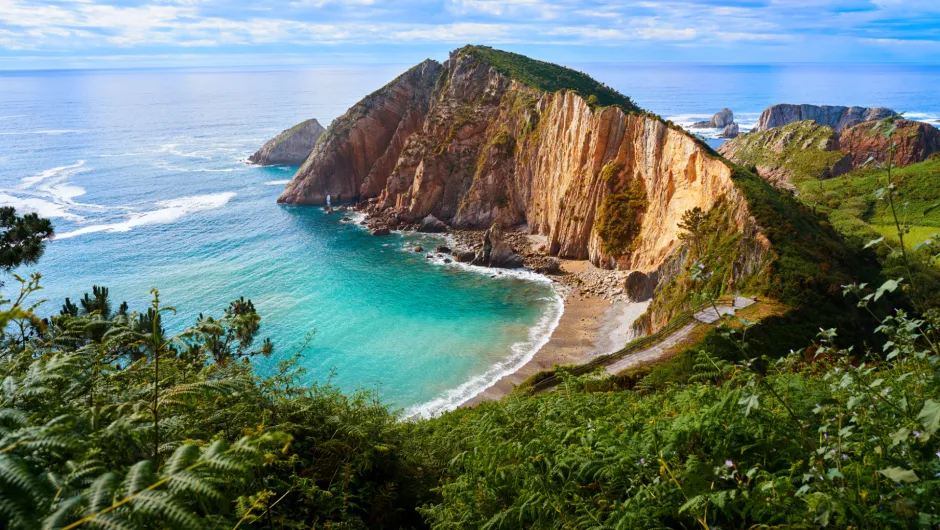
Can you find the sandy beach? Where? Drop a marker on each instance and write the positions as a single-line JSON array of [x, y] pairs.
[[590, 326]]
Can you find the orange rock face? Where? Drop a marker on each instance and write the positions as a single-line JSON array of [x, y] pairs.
[[915, 142], [488, 150]]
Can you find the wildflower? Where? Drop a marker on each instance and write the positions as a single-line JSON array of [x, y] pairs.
[[916, 434], [729, 463], [845, 457]]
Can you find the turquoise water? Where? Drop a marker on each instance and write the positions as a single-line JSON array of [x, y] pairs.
[[143, 176], [142, 173]]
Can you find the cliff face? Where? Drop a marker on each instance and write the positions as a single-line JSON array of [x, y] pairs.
[[915, 142], [291, 147], [359, 149], [476, 147], [835, 117]]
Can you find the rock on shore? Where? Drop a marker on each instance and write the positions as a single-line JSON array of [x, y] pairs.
[[291, 147]]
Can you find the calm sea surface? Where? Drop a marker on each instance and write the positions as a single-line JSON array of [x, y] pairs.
[[142, 173]]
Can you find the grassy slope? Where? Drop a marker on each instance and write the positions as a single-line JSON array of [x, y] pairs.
[[549, 77], [850, 203], [803, 164]]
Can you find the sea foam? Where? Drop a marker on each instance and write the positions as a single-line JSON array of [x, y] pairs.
[[168, 212]]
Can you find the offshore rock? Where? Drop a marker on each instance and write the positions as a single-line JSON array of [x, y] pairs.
[[721, 119], [291, 147], [835, 117], [730, 131]]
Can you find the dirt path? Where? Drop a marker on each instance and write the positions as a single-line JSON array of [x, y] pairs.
[[658, 350]]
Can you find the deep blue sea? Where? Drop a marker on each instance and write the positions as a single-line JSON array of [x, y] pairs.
[[143, 175]]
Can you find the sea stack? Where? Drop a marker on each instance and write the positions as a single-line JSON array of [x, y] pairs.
[[291, 147]]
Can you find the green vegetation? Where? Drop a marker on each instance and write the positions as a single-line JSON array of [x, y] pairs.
[[23, 238], [801, 150], [549, 77], [108, 421], [621, 214]]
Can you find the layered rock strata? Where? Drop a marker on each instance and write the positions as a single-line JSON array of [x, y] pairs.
[[477, 148]]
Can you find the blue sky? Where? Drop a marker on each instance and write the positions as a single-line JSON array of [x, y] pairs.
[[116, 33]]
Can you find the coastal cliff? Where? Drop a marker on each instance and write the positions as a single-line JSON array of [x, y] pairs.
[[291, 147], [360, 148], [493, 138]]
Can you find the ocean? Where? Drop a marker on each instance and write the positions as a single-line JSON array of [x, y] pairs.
[[143, 175]]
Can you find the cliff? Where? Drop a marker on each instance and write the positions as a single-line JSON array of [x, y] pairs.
[[835, 117], [915, 141], [291, 147], [806, 150], [490, 137], [360, 148]]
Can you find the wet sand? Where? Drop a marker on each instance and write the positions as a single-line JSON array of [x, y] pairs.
[[589, 326]]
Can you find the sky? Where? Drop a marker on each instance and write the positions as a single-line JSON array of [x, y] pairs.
[[49, 34]]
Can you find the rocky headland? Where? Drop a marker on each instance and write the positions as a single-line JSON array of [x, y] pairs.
[[808, 150], [724, 120], [291, 147], [528, 163], [835, 117]]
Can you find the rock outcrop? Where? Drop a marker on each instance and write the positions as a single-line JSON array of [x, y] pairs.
[[360, 148], [806, 150], [730, 131], [483, 145], [432, 225], [291, 147], [835, 117], [721, 119], [496, 251], [915, 142]]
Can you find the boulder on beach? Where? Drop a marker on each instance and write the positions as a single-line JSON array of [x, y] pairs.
[[432, 225], [464, 256], [496, 251], [443, 249], [382, 231]]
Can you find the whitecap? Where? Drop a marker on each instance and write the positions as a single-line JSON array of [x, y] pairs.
[[50, 131], [522, 353], [42, 207], [277, 182], [60, 172], [168, 212]]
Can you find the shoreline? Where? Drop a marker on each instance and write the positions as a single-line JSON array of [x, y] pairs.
[[589, 326], [595, 316]]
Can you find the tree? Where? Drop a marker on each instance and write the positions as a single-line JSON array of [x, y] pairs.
[[23, 238], [693, 222]]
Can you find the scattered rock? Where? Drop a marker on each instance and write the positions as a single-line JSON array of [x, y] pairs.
[[447, 260], [362, 223], [419, 249], [496, 252], [730, 131], [549, 266], [432, 225], [380, 231], [464, 256], [443, 249]]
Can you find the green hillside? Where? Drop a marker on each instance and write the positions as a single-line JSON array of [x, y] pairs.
[[548, 77]]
